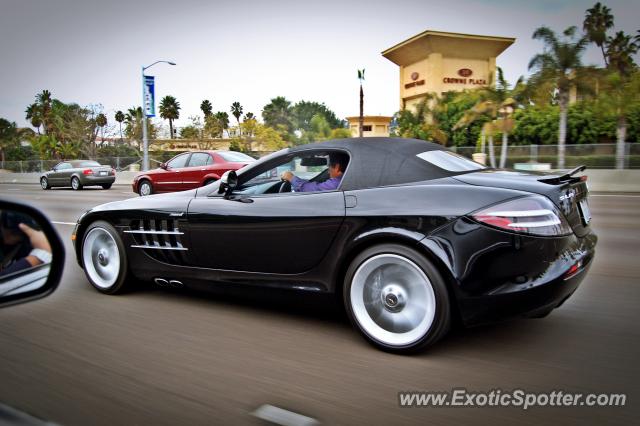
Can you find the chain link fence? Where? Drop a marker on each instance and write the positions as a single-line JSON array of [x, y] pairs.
[[594, 156], [39, 166]]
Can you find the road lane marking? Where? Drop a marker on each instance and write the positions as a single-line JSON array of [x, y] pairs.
[[614, 195], [283, 417], [63, 223]]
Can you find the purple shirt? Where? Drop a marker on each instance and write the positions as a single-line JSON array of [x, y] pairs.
[[301, 185]]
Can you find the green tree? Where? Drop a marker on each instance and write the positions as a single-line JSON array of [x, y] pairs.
[[44, 100], [620, 95], [277, 114], [236, 111], [597, 21], [422, 123], [8, 137], [206, 108], [249, 116], [120, 119], [170, 110], [561, 64], [303, 111]]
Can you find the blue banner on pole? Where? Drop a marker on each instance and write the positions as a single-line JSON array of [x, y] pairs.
[[149, 96]]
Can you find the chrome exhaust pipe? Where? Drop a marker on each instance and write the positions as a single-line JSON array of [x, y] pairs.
[[161, 282], [176, 284]]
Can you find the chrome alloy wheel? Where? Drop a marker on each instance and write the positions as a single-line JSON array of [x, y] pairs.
[[44, 183], [101, 257], [145, 188], [392, 300], [75, 183]]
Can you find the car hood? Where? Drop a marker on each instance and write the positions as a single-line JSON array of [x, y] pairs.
[[169, 202]]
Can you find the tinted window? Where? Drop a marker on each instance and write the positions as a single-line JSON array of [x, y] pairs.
[[64, 166], [199, 159], [237, 157], [89, 164], [178, 162], [449, 161]]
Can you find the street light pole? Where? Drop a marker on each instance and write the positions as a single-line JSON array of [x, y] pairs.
[[145, 137]]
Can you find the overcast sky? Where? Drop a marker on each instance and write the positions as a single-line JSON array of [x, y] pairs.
[[90, 51]]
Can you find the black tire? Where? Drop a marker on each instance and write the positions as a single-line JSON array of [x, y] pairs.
[[111, 242], [44, 183], [75, 183], [106, 185], [141, 190], [435, 303]]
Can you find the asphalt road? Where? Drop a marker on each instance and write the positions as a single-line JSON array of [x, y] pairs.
[[161, 357]]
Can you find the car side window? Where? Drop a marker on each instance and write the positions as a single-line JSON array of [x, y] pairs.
[[178, 162], [199, 159], [63, 166]]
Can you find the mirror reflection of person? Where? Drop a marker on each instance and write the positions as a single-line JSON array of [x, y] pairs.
[[337, 166], [22, 248]]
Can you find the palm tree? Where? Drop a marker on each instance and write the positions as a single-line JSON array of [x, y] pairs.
[[206, 108], [497, 104], [34, 115], [620, 51], [101, 122], [249, 116], [620, 94], [422, 123], [361, 119], [43, 100], [120, 118], [170, 110], [560, 63], [236, 111], [222, 119], [277, 114], [597, 21]]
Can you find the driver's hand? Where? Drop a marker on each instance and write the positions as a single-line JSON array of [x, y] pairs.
[[286, 176], [36, 238]]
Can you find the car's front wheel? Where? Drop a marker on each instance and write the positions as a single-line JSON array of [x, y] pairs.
[[145, 188], [103, 258], [75, 183], [44, 183], [397, 298]]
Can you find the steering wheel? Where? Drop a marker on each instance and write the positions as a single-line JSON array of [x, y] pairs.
[[285, 186]]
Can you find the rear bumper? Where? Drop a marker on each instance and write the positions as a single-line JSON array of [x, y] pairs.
[[496, 275], [88, 180]]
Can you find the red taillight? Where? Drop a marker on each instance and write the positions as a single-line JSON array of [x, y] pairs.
[[87, 172], [534, 215], [573, 270]]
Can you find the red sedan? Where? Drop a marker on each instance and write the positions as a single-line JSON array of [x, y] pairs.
[[189, 170]]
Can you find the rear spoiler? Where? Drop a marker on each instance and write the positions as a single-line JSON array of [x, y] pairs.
[[567, 177]]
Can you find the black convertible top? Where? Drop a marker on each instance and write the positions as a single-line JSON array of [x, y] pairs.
[[381, 161]]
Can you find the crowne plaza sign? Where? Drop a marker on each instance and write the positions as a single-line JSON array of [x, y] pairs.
[[464, 73]]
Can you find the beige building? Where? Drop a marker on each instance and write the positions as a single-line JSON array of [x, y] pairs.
[[374, 125], [438, 62]]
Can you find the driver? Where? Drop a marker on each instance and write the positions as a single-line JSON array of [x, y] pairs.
[[337, 166], [21, 246]]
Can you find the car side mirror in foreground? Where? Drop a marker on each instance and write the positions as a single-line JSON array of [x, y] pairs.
[[228, 183], [31, 254], [164, 166]]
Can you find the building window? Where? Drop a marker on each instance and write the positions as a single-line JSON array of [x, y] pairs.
[[366, 128]]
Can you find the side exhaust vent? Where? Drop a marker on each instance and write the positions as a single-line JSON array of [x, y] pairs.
[[160, 239]]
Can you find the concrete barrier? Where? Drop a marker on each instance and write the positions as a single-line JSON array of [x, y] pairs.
[[600, 180]]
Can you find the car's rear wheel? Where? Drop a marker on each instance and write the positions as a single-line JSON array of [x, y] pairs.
[[397, 298], [106, 185], [103, 258], [145, 188], [44, 183], [75, 183]]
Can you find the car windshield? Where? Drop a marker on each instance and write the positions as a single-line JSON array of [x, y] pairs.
[[236, 157]]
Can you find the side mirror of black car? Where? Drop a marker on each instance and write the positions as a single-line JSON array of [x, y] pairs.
[[31, 254], [228, 183]]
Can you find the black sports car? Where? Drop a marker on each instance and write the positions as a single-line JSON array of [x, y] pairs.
[[414, 236]]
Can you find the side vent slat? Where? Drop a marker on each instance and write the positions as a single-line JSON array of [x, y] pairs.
[[160, 238]]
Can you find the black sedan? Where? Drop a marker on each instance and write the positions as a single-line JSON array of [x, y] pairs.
[[414, 237], [78, 174]]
